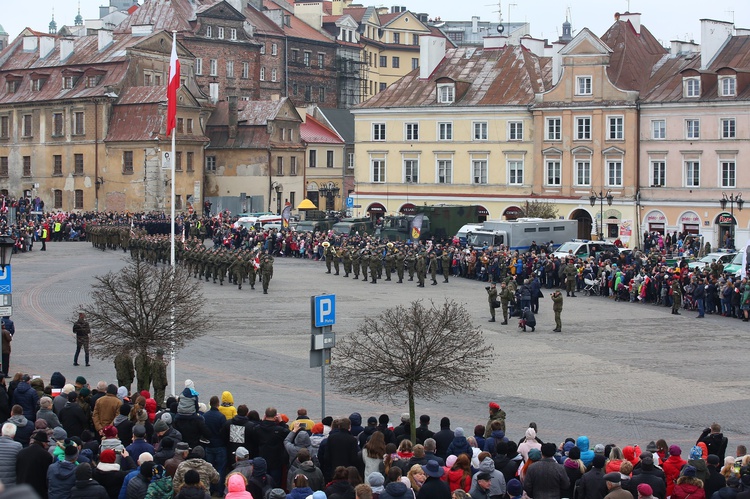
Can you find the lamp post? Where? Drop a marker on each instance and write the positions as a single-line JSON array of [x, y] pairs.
[[731, 199], [279, 189], [601, 197], [330, 191]]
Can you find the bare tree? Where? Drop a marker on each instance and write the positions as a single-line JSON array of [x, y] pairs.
[[427, 351], [132, 310], [540, 209]]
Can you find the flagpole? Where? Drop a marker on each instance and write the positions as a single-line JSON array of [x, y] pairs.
[[171, 232]]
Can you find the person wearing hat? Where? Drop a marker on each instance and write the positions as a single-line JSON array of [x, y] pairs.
[[85, 485], [139, 445], [181, 451], [688, 485], [32, 463], [644, 491], [110, 473], [496, 414], [715, 480], [492, 298], [193, 488], [481, 486], [61, 475], [546, 478], [434, 487], [614, 486], [366, 434], [672, 467], [73, 417], [696, 460], [647, 473]]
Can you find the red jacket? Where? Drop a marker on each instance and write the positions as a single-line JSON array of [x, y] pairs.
[[688, 491], [672, 467]]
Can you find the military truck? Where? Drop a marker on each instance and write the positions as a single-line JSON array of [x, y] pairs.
[[440, 222], [353, 226]]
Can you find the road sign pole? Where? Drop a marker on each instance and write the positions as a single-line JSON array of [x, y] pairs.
[[323, 387]]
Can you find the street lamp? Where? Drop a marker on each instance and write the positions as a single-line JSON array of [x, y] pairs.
[[329, 191], [601, 197], [731, 199], [7, 244]]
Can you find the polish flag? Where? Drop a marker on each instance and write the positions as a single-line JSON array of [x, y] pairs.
[[172, 86]]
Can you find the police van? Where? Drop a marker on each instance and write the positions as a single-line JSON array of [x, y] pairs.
[[583, 248]]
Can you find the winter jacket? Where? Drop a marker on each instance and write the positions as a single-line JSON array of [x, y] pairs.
[[25, 396], [215, 421], [490, 443], [236, 487], [298, 493], [268, 441], [73, 419], [587, 455], [106, 410], [716, 481], [295, 441], [61, 477], [529, 443], [207, 473], [650, 474], [342, 449], [314, 476], [49, 416], [546, 479], [460, 446], [396, 490], [356, 419], [162, 489], [592, 485], [236, 433], [343, 489], [9, 450], [688, 491], [434, 488], [701, 469], [443, 439], [111, 477], [24, 429], [497, 482], [88, 489], [227, 405], [672, 467], [457, 480], [136, 487], [193, 429], [715, 442]]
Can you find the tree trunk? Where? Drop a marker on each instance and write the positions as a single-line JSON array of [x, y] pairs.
[[412, 416]]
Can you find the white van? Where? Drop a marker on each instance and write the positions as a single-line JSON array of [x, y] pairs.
[[464, 231]]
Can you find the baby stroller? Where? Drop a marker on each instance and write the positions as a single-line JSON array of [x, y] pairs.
[[591, 287]]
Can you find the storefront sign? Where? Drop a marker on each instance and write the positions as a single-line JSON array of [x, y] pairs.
[[656, 217], [726, 219], [689, 218]]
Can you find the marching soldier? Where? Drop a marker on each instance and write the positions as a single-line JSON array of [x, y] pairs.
[[400, 265], [252, 269], [346, 257], [446, 261], [336, 259], [421, 270], [676, 296], [390, 261], [365, 264], [411, 264], [376, 266], [329, 255], [266, 268], [433, 268], [356, 258]]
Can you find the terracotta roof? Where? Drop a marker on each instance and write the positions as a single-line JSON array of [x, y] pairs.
[[356, 12], [633, 55], [386, 18], [297, 27], [314, 132], [171, 15], [507, 76], [143, 95], [135, 123]]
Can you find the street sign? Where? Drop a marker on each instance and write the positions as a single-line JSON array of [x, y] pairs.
[[357, 206], [5, 287], [349, 202], [320, 358], [9, 311], [324, 310], [323, 341]]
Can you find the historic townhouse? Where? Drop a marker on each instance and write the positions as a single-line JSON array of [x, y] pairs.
[[325, 167]]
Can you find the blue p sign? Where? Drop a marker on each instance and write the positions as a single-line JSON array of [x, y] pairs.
[[350, 202], [324, 310]]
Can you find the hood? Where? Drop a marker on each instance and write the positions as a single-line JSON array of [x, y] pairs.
[[498, 435], [37, 384], [530, 434], [460, 442], [488, 465], [356, 419], [23, 387], [186, 406], [19, 420], [583, 443], [226, 398], [302, 439], [119, 419], [236, 482], [64, 470], [307, 466], [698, 464], [397, 489]]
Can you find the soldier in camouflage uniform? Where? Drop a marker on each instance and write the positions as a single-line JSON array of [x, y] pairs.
[[411, 264], [421, 270], [124, 369], [433, 267], [365, 264], [159, 377], [329, 257], [356, 259], [390, 261], [346, 258], [376, 266], [143, 370], [400, 265], [266, 268], [446, 260]]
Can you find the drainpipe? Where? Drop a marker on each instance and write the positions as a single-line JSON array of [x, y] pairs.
[[270, 179], [637, 221], [96, 156]]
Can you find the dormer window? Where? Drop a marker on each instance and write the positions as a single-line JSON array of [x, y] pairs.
[[68, 82], [727, 86], [209, 32], [232, 34], [220, 36], [692, 87], [37, 84], [446, 93], [13, 83], [92, 81], [584, 85]]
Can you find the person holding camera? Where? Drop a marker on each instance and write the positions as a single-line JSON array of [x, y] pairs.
[[492, 298], [557, 306]]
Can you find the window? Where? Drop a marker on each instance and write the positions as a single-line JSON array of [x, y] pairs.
[[199, 66], [321, 61], [210, 163], [294, 89], [230, 69], [415, 39], [57, 124], [658, 173], [515, 172], [728, 128], [78, 123], [479, 171], [583, 128], [27, 125], [245, 70], [395, 62], [58, 198], [127, 162], [308, 93], [378, 131], [27, 166], [92, 81], [209, 31], [78, 199], [232, 34], [692, 87], [554, 128], [350, 161], [554, 172], [280, 166], [614, 173], [313, 161], [728, 174], [446, 93], [378, 170], [658, 129], [445, 171], [180, 125], [692, 173], [178, 161], [262, 74], [274, 49], [480, 130], [583, 85], [57, 165], [273, 74], [78, 164], [306, 59], [190, 125], [178, 201], [381, 87], [727, 86], [411, 171], [37, 84], [4, 127], [212, 65], [412, 131], [189, 161], [3, 166], [321, 94], [67, 82], [383, 61], [263, 49], [157, 79], [293, 167], [693, 129], [583, 172], [414, 63], [616, 128], [329, 159], [396, 37], [445, 131], [515, 130]]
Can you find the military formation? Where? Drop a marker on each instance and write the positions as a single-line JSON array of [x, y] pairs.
[[151, 370]]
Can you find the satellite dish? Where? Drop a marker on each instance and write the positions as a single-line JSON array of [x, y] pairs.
[[500, 28]]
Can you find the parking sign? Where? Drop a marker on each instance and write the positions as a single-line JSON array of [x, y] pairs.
[[324, 310], [5, 285], [349, 202]]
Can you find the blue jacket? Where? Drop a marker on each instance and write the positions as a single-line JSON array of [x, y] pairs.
[[128, 477], [587, 456], [490, 443], [460, 446], [61, 478], [26, 397], [138, 447], [215, 421]]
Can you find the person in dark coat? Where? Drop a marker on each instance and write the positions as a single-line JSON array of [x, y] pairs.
[[61, 475], [192, 426], [25, 396], [32, 463], [4, 401], [443, 438], [650, 474], [423, 431], [546, 478], [715, 479], [383, 421], [715, 441], [592, 485], [86, 487], [364, 436], [460, 445], [342, 449], [72, 417], [433, 487], [267, 440], [109, 473]]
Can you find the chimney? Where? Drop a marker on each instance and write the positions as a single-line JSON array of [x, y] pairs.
[[495, 42], [105, 39], [29, 43], [475, 24], [680, 47], [232, 118], [556, 62], [714, 34], [534, 45], [46, 46], [742, 31], [634, 18], [66, 48], [431, 52], [337, 7]]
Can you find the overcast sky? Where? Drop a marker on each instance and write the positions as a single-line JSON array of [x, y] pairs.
[[667, 19]]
